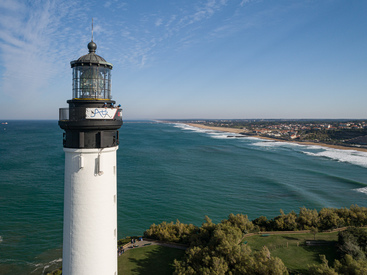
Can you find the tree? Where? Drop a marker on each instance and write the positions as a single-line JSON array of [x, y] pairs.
[[262, 222], [323, 268], [353, 241], [314, 231], [351, 266], [217, 249], [358, 215], [285, 222], [307, 218], [265, 264], [240, 221], [171, 232], [329, 219], [291, 221]]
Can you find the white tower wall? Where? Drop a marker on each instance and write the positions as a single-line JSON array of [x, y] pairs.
[[90, 212]]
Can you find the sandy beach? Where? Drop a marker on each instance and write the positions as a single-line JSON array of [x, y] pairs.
[[238, 131]]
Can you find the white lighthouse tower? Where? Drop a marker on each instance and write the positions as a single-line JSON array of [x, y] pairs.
[[91, 140]]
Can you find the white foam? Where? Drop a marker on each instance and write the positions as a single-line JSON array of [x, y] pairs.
[[44, 266], [232, 135], [267, 143], [350, 156], [254, 138], [362, 190], [317, 147], [212, 133], [50, 263], [219, 135], [191, 128]]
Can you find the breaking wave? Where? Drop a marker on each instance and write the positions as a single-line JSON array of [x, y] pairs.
[[349, 156], [362, 190], [191, 128]]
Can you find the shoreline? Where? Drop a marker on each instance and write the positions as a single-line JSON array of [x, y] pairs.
[[238, 131]]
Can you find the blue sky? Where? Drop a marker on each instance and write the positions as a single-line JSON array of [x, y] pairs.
[[190, 59]]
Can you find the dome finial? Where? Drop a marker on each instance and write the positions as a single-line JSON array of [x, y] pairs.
[[92, 47]]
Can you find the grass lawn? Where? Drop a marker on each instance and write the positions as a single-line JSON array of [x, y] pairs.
[[154, 259], [296, 258]]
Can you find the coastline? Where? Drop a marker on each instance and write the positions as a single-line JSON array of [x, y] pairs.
[[238, 131]]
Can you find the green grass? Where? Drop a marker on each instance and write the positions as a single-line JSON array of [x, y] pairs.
[[154, 259], [296, 258]]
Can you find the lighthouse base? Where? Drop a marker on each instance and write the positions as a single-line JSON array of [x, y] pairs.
[[90, 212]]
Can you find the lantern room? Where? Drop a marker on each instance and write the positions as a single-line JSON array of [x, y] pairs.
[[91, 76]]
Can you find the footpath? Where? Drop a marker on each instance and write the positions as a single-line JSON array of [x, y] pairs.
[[147, 242]]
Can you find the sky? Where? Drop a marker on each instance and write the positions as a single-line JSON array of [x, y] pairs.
[[190, 59]]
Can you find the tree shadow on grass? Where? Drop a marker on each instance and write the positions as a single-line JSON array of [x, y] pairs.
[[291, 238], [329, 249], [157, 261]]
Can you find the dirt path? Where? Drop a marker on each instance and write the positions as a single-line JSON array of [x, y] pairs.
[[147, 242]]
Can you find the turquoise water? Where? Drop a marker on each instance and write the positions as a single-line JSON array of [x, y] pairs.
[[165, 172]]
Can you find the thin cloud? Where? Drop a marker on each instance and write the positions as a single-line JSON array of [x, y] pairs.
[[22, 50], [115, 4], [171, 20], [36, 37], [184, 22], [206, 11], [243, 2], [141, 42], [158, 22], [11, 5], [33, 45], [107, 4]]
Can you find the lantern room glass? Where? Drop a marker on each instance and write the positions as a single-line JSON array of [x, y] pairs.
[[91, 82]]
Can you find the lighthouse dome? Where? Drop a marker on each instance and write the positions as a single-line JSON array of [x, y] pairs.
[[91, 58]]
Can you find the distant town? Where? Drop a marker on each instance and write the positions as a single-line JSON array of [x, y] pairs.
[[351, 133]]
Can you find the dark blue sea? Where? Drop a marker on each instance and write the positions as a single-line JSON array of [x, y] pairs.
[[165, 172]]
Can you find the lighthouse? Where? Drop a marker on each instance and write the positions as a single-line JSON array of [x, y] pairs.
[[90, 143]]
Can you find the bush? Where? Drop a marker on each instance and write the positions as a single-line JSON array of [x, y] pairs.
[[171, 232]]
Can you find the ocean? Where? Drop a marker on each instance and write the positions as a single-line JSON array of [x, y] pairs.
[[165, 172]]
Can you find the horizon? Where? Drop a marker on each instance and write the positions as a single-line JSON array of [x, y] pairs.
[[209, 119], [189, 59]]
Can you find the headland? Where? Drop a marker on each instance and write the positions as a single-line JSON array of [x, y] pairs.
[[242, 132]]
